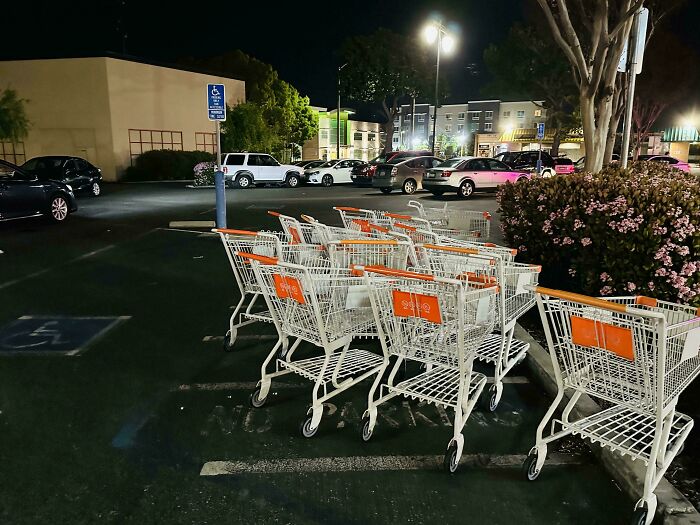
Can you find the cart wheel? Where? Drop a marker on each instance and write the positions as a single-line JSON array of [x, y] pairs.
[[640, 516], [530, 466], [282, 352], [306, 429], [255, 400], [366, 431], [451, 462], [229, 340]]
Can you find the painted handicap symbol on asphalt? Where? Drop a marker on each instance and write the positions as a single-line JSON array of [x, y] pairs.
[[53, 335]]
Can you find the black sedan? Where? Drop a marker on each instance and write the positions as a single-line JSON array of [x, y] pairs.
[[23, 194], [82, 176]]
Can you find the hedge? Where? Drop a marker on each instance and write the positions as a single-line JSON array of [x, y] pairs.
[[166, 165], [624, 232]]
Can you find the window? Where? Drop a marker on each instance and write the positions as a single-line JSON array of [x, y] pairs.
[[495, 165], [205, 141], [324, 134], [521, 114], [12, 152], [488, 115], [420, 118], [521, 125], [371, 137], [396, 128], [395, 139], [475, 114], [81, 164], [143, 140], [488, 126], [448, 128], [448, 116], [474, 126], [267, 160], [234, 160], [506, 114], [358, 135], [538, 112], [420, 129], [460, 127], [477, 165], [460, 116]]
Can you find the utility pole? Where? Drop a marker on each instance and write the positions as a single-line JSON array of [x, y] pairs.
[[413, 124], [631, 83], [437, 75], [337, 120]]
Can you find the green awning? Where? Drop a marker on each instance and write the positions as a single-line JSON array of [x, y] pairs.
[[530, 135], [681, 134]]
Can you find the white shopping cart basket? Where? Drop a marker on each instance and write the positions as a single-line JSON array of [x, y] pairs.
[[635, 353], [368, 252], [355, 218], [436, 321], [326, 307], [325, 234], [514, 299], [424, 224], [478, 222]]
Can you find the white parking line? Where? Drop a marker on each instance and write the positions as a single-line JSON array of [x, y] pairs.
[[239, 385], [372, 464]]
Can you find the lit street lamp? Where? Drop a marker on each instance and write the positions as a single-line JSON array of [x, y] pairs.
[[337, 116], [436, 32]]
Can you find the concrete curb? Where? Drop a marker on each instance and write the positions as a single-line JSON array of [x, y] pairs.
[[673, 507]]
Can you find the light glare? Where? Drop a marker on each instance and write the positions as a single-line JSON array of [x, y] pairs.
[[430, 33], [448, 43]]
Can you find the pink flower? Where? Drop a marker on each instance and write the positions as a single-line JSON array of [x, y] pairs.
[[605, 277], [567, 240], [572, 271], [606, 290], [631, 287], [586, 241]]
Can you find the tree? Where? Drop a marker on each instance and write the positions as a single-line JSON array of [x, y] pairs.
[[14, 124], [382, 69], [593, 46], [246, 129], [652, 95], [527, 65]]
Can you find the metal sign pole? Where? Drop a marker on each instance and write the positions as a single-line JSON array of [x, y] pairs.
[[632, 79], [219, 183]]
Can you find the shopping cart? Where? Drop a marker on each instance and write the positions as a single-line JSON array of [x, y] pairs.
[[296, 231], [436, 321], [359, 218], [465, 220], [325, 234], [635, 353], [424, 224], [514, 299], [327, 308], [368, 252]]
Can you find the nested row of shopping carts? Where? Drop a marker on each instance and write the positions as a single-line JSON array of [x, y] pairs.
[[432, 290]]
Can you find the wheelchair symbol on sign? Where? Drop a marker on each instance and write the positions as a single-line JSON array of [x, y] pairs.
[[46, 334], [215, 92]]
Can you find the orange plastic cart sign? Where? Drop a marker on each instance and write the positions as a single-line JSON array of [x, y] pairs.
[[408, 304]]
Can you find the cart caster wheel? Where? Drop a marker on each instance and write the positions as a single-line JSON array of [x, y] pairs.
[[530, 466], [229, 340], [366, 430], [491, 402], [680, 450], [255, 400], [306, 429], [451, 462], [640, 516]]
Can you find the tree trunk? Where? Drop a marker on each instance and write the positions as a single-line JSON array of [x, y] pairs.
[[389, 135], [556, 140], [612, 138]]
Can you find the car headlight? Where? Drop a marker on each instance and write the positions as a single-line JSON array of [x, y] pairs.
[[70, 188]]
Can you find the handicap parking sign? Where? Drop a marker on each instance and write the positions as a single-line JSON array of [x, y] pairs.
[[216, 101], [53, 335]]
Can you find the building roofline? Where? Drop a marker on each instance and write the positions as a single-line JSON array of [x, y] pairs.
[[128, 58]]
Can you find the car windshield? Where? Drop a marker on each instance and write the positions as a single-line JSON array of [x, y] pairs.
[[507, 156], [381, 159], [398, 159], [329, 163], [645, 157], [42, 163], [314, 164], [452, 163]]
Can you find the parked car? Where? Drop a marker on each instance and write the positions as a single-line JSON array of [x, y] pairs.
[[404, 174], [333, 172], [362, 174], [465, 175], [304, 163], [74, 171], [23, 194], [245, 169], [665, 159], [563, 166], [581, 163], [310, 168], [527, 161]]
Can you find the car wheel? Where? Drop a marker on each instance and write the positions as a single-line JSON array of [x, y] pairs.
[[96, 189], [409, 187], [59, 208], [547, 173], [466, 189], [244, 181], [385, 191], [293, 181], [521, 179], [327, 180]]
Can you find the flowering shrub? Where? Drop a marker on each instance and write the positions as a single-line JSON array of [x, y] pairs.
[[633, 231], [204, 173]]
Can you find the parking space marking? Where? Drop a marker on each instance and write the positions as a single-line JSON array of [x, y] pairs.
[[247, 337], [238, 385], [373, 464]]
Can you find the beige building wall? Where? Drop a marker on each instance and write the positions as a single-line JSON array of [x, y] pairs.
[[86, 106]]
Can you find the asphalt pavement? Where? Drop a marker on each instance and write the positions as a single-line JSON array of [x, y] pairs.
[[118, 405]]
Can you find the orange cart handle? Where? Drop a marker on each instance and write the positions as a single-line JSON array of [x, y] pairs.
[[583, 299], [405, 226], [274, 213], [236, 232], [346, 208], [388, 242], [452, 249], [398, 216], [260, 258], [392, 272]]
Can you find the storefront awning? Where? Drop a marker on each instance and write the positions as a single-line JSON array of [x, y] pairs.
[[530, 135], [684, 134]]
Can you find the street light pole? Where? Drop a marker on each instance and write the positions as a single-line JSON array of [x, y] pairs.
[[437, 75], [632, 80], [337, 116]]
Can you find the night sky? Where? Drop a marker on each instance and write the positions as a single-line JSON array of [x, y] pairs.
[[301, 39]]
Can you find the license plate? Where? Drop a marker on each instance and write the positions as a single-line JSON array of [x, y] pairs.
[[430, 175]]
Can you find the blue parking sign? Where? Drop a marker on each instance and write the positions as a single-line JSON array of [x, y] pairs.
[[540, 131], [216, 101]]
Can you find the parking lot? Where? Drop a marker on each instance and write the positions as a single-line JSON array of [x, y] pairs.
[[134, 414]]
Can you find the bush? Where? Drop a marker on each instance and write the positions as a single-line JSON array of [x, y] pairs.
[[204, 173], [166, 165], [633, 231]]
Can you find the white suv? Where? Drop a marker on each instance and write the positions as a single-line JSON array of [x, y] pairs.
[[245, 169]]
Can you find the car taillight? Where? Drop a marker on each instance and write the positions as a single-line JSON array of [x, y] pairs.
[[446, 174], [224, 169], [394, 170]]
